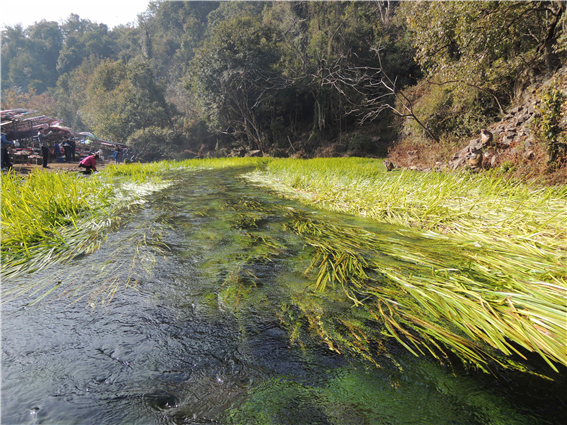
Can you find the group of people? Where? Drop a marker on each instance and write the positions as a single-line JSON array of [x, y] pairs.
[[68, 144], [65, 146]]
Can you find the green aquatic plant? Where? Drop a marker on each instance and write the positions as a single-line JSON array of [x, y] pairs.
[[421, 393], [480, 207], [41, 213], [476, 293], [51, 218], [430, 298], [131, 259]]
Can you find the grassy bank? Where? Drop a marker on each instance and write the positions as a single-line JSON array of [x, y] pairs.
[[492, 271], [481, 207], [52, 217]]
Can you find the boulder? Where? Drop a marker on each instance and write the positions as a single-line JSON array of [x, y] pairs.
[[257, 152]]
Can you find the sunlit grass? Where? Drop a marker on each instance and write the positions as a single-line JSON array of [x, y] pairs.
[[51, 217], [492, 273], [482, 206], [47, 217], [451, 295], [484, 275]]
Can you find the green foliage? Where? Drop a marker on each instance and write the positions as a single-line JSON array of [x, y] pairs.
[[550, 113], [29, 56], [446, 112], [409, 393], [227, 76], [480, 53], [479, 43], [265, 72], [83, 39], [154, 143], [507, 167], [546, 124], [127, 99]]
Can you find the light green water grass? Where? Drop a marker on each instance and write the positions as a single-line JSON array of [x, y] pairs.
[[414, 394], [49, 217], [482, 207], [496, 254]]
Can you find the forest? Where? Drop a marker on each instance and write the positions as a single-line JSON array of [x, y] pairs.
[[289, 78]]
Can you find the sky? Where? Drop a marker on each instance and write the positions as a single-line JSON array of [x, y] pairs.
[[109, 12]]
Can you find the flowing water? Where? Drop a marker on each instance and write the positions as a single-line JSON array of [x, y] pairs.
[[202, 291]]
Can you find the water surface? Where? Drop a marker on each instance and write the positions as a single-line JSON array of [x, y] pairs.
[[203, 332]]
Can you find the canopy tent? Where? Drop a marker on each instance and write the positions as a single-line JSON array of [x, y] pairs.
[[89, 135], [15, 113], [63, 129], [20, 124]]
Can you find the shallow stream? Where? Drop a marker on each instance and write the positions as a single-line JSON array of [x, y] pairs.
[[204, 331]]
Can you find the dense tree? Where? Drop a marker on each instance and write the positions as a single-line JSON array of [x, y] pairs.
[[122, 98], [30, 100], [82, 39], [264, 72], [29, 56], [489, 45], [230, 77]]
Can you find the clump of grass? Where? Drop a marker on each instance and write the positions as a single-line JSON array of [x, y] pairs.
[[51, 217], [141, 172], [41, 214], [451, 296], [483, 208]]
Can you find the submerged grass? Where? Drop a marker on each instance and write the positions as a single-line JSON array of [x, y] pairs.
[[445, 297], [479, 268], [490, 277], [50, 218], [47, 217]]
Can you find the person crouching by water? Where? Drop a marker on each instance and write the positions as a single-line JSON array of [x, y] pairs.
[[89, 163]]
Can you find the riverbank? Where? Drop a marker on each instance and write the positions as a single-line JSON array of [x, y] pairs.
[[54, 167]]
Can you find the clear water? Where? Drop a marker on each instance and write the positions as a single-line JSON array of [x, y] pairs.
[[196, 336]]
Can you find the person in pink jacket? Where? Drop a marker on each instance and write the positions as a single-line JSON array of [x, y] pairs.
[[89, 163]]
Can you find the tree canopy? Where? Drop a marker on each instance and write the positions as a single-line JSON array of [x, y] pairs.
[[260, 73]]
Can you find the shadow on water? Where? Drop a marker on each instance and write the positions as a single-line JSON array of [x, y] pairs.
[[222, 327]]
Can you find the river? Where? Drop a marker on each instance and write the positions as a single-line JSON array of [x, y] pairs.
[[199, 328]]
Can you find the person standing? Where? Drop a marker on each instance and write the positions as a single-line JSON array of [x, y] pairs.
[[56, 150], [42, 137], [67, 149], [72, 147], [6, 164], [117, 154]]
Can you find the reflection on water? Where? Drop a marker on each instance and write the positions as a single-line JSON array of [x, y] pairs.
[[215, 328]]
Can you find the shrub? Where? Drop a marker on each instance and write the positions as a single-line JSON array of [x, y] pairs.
[[546, 124]]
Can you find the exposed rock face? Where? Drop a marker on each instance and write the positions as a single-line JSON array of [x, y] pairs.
[[512, 133], [472, 154]]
